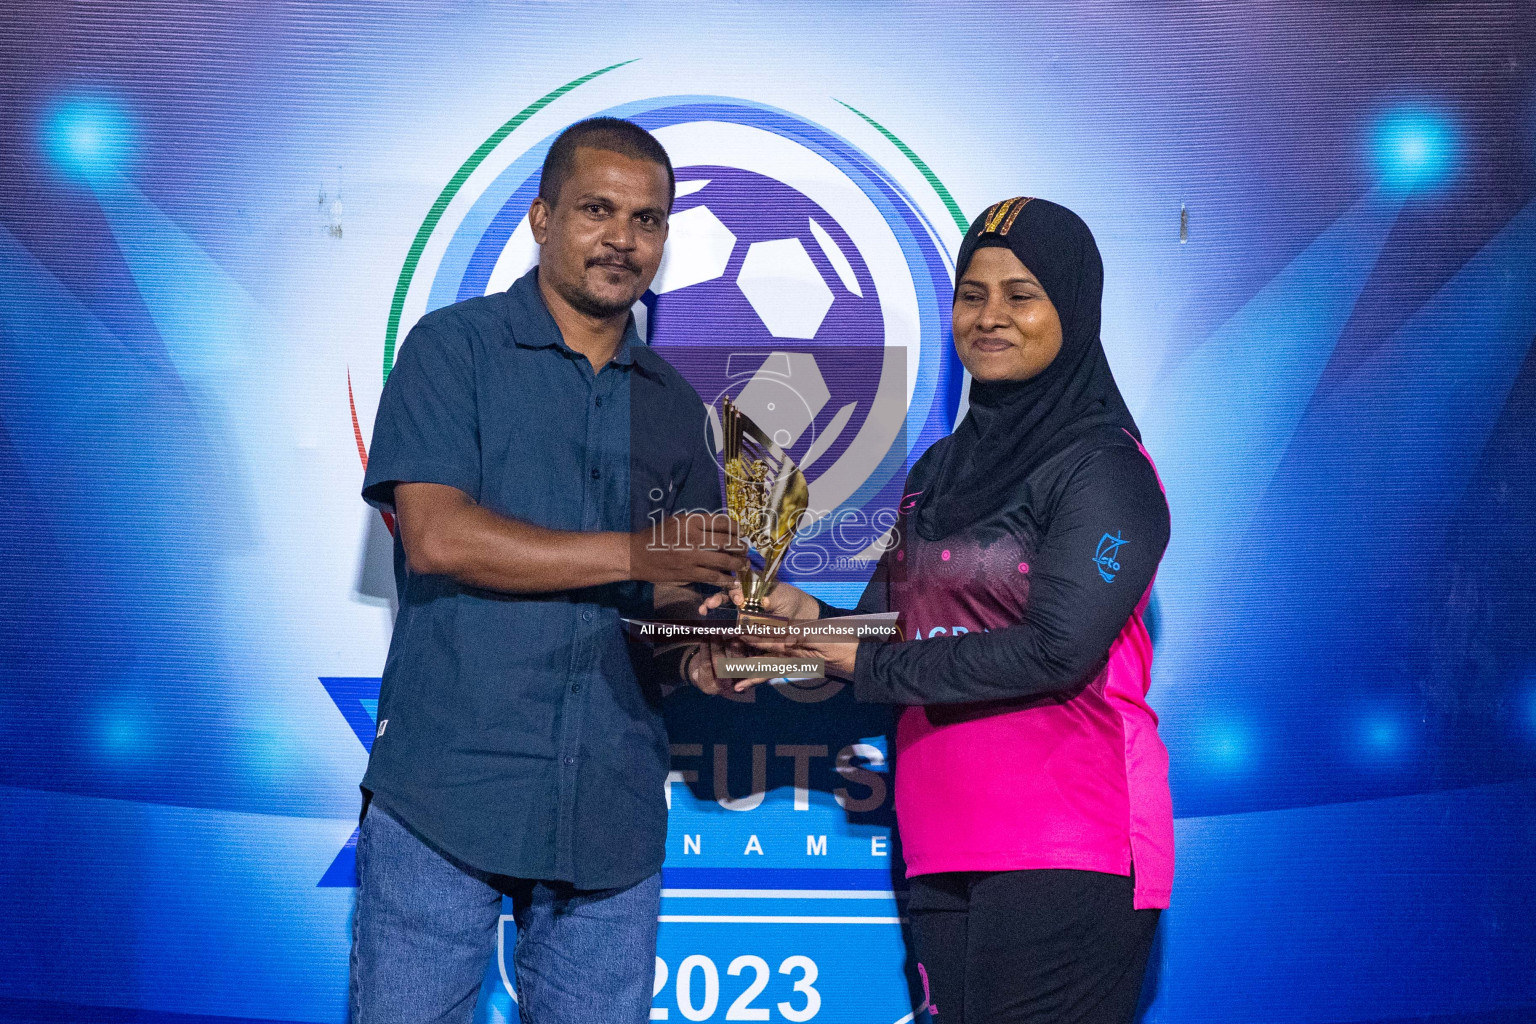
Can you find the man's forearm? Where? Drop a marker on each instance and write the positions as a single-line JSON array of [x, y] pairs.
[[496, 553], [448, 534]]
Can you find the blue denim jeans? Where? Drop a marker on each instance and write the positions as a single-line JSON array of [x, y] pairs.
[[426, 928]]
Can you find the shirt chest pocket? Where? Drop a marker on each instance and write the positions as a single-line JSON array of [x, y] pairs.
[[656, 487], [536, 479], [534, 463]]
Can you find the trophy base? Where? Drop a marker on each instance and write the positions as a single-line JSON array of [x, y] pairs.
[[760, 620]]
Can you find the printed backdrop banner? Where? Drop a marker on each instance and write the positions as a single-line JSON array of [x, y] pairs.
[[217, 224]]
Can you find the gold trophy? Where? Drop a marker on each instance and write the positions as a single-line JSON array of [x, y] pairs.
[[765, 496]]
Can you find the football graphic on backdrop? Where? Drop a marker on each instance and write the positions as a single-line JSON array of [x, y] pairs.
[[754, 272]]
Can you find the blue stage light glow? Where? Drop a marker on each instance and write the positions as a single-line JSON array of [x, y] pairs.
[[88, 138], [121, 734], [1229, 746], [1415, 147], [1382, 735], [126, 726]]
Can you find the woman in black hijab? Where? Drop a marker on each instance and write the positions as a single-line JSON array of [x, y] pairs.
[[1031, 786]]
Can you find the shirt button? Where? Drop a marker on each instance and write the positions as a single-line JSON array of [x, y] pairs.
[[575, 687], [586, 616], [598, 401], [596, 474], [569, 761]]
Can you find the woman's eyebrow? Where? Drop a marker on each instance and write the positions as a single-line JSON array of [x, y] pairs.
[[1004, 283]]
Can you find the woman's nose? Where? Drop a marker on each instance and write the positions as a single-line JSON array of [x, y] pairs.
[[994, 313]]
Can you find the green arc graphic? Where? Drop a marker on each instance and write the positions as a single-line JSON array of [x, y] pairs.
[[423, 233], [419, 244], [917, 161]]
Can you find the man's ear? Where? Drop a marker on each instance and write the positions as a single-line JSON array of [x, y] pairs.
[[538, 219]]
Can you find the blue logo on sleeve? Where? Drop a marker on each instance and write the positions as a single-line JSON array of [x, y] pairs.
[[1105, 556]]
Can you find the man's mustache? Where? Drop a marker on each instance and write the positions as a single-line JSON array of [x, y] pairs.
[[622, 262]]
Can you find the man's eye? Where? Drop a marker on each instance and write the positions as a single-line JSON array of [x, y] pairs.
[[595, 210]]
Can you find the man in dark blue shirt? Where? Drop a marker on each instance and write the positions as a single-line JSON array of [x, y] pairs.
[[524, 440]]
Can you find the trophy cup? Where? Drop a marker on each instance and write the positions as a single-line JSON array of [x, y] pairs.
[[765, 496]]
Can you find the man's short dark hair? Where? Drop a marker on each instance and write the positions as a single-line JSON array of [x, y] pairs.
[[606, 133]]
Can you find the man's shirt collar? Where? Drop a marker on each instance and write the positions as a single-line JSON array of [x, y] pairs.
[[533, 326]]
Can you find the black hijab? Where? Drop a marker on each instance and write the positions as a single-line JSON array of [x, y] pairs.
[[1014, 426]]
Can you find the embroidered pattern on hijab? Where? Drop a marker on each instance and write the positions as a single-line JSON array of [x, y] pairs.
[[1014, 426]]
